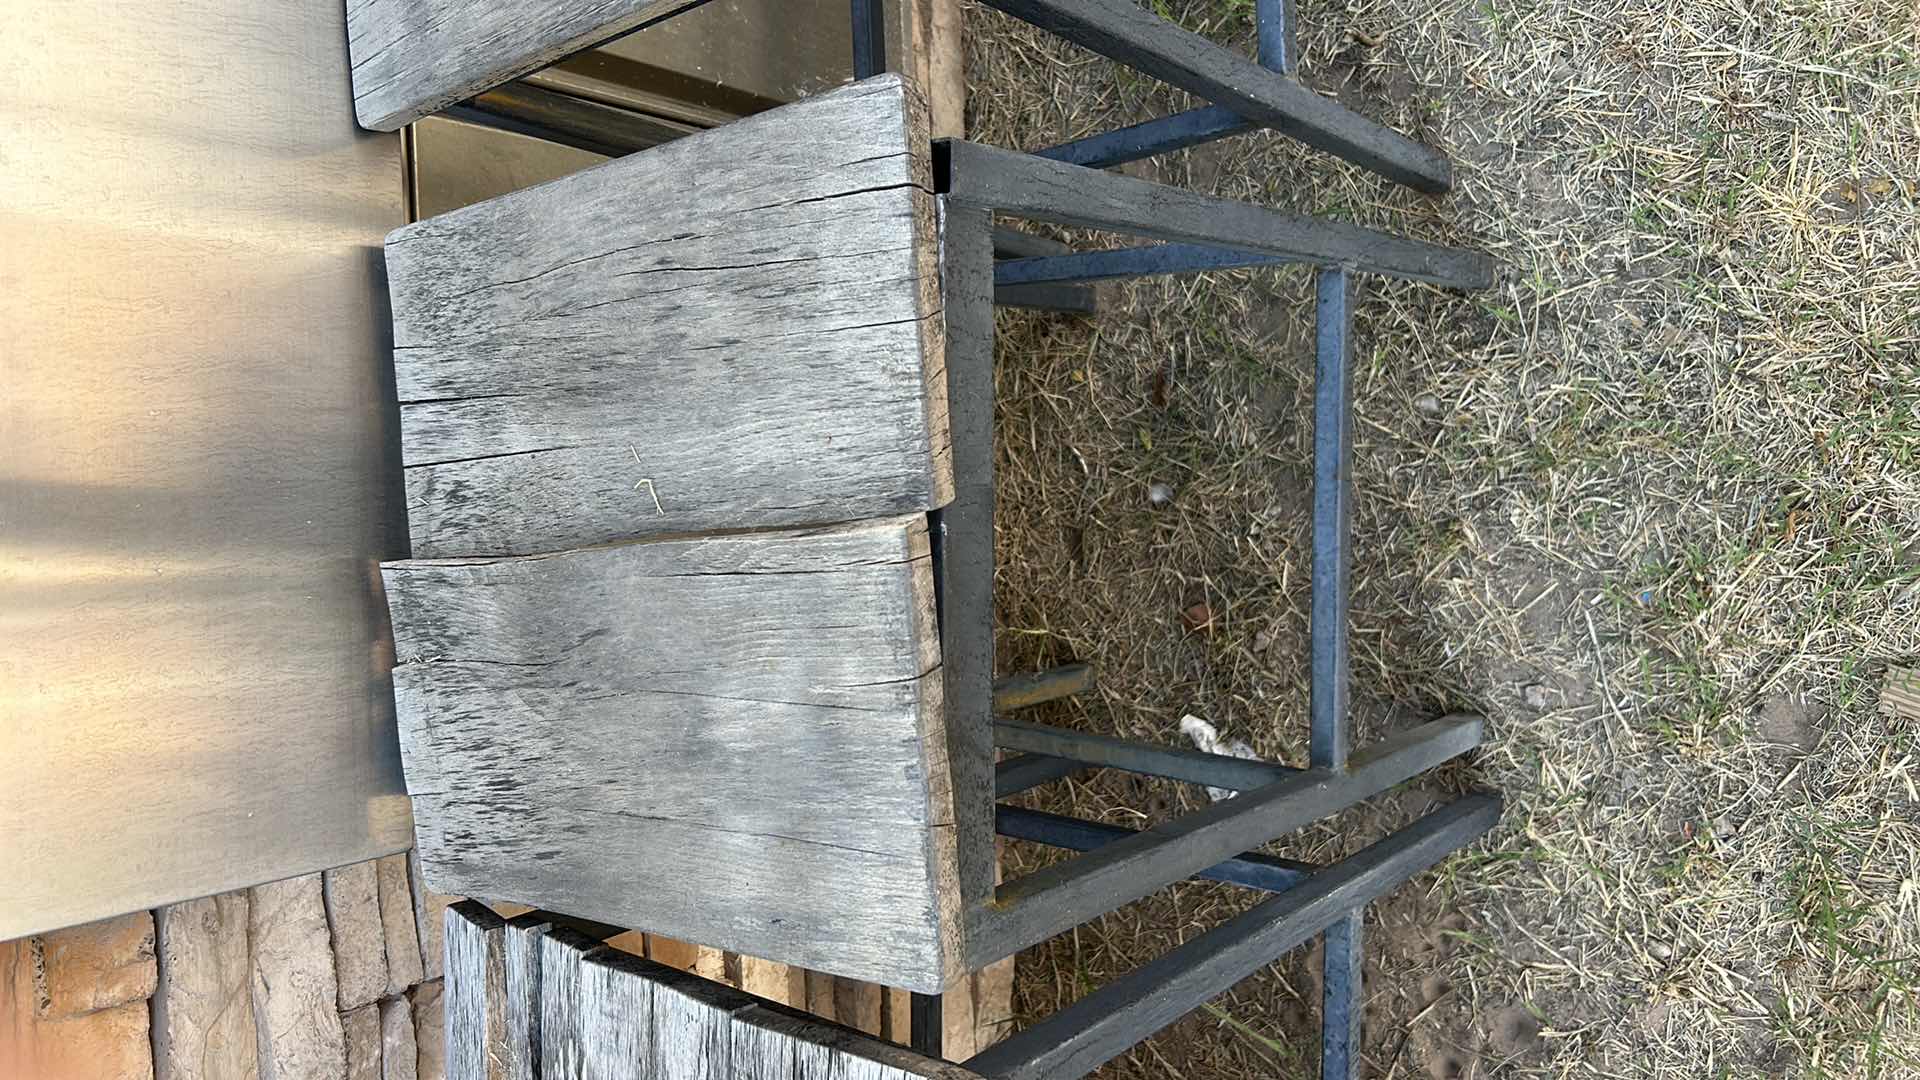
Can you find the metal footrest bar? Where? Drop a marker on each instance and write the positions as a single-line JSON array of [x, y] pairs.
[[1250, 869], [1173, 763], [1025, 772], [1274, 23], [1083, 1036], [1028, 186], [1040, 687], [1148, 261], [1151, 138], [1033, 908], [1122, 30], [1012, 243]]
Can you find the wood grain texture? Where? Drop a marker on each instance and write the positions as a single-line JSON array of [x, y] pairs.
[[761, 709], [740, 329], [562, 1051], [771, 1041], [521, 937], [415, 57], [475, 993]]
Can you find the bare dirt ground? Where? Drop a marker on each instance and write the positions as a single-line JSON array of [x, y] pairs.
[[1652, 506]]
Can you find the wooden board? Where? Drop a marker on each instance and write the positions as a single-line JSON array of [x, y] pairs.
[[415, 57], [475, 993], [599, 732], [738, 329]]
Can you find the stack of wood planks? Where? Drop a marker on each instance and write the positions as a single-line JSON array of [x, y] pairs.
[[534, 997]]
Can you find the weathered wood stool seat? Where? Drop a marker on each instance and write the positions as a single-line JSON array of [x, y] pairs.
[[754, 328], [609, 694]]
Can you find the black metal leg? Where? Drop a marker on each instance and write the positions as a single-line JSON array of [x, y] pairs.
[[1027, 186], [1279, 48], [1033, 908], [1163, 135], [1102, 1025], [1249, 869], [1332, 514], [926, 1023], [1124, 31], [869, 38], [1332, 562], [1148, 261], [963, 540]]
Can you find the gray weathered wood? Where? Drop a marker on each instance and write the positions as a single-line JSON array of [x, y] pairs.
[[615, 1014], [523, 934], [359, 939], [602, 732], [297, 1029], [562, 1051], [738, 329], [203, 1007], [693, 1026], [476, 993], [773, 1042], [415, 57]]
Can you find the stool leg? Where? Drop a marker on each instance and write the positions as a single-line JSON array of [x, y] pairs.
[[1332, 561]]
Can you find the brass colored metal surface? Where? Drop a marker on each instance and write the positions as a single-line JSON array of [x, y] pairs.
[[198, 461]]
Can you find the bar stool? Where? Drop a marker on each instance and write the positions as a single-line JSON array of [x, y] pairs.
[[947, 194]]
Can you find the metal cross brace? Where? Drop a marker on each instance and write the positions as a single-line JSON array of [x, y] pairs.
[[1118, 866]]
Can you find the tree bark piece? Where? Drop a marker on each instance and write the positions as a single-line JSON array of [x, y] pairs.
[[415, 57], [296, 1024], [203, 1005], [761, 346]]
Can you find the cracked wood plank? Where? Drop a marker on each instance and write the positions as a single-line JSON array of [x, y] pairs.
[[415, 57], [600, 731], [739, 329]]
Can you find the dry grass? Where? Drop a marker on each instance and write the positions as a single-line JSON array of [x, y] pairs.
[[1652, 505]]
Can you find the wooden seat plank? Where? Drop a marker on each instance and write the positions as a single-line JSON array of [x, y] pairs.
[[601, 731], [739, 329]]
